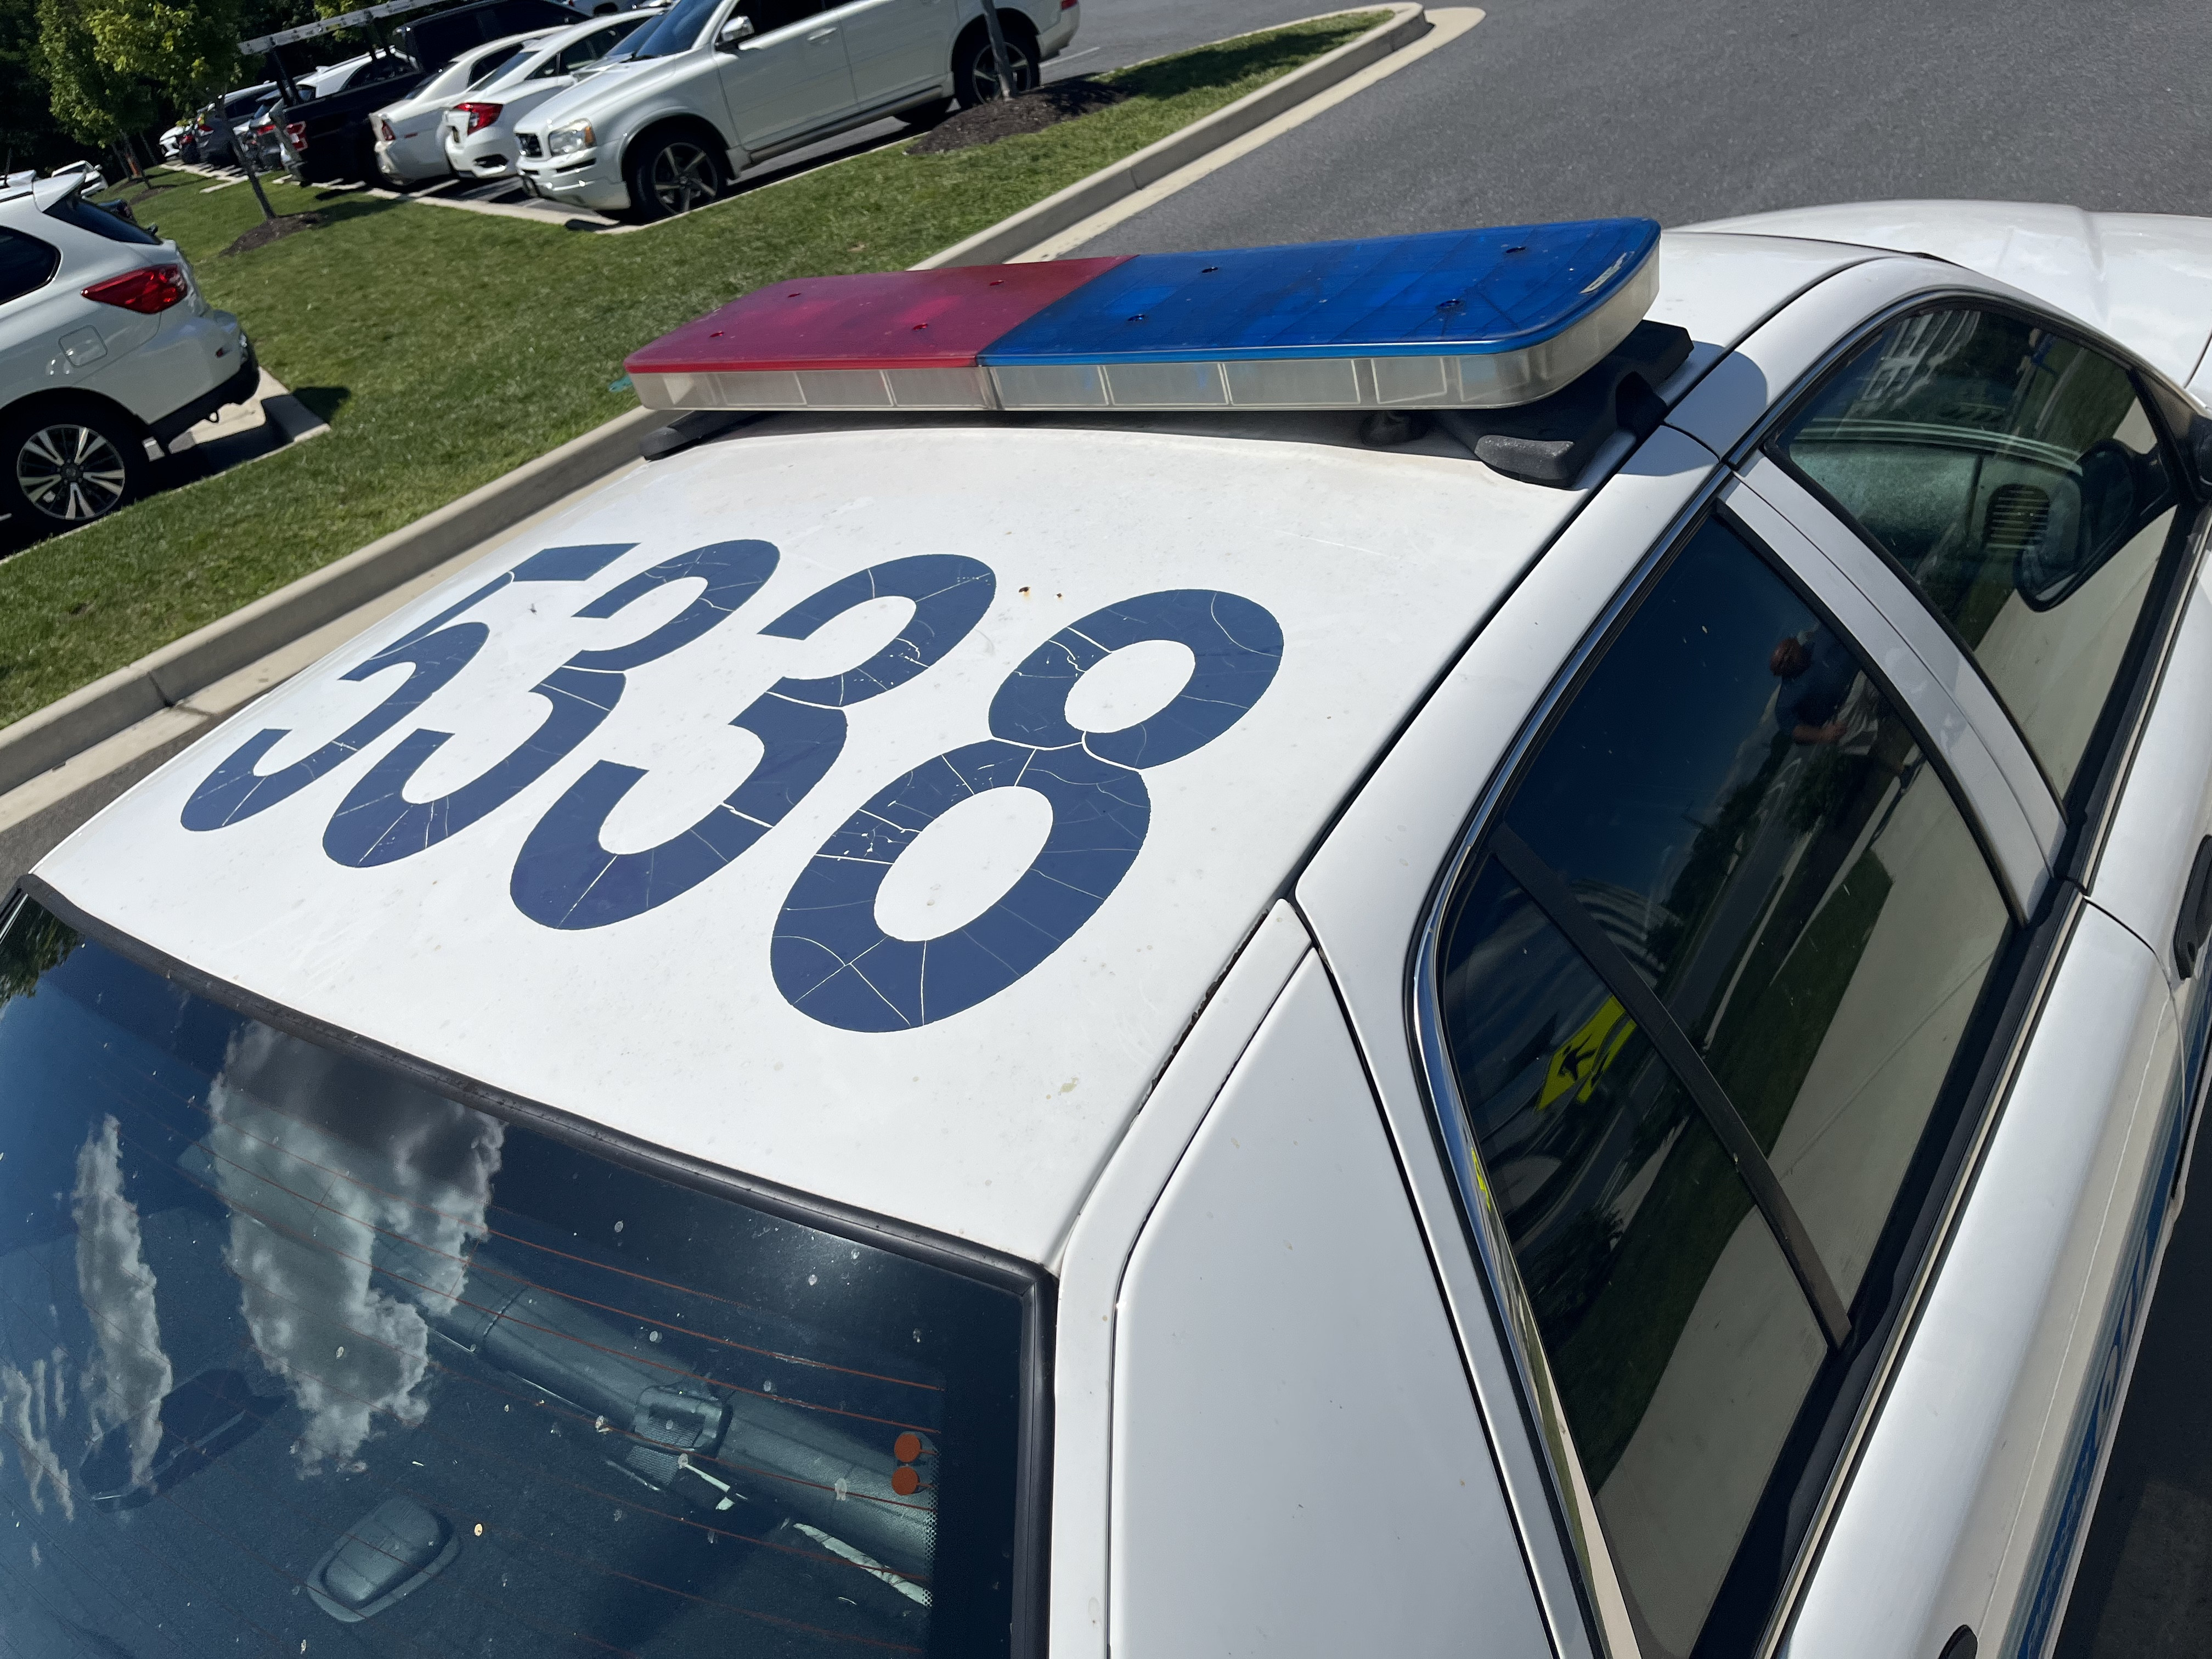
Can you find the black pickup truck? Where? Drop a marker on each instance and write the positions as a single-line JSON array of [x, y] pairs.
[[330, 138]]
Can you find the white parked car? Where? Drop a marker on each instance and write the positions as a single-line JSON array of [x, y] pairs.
[[670, 122], [410, 142], [106, 343], [1522, 977], [478, 132]]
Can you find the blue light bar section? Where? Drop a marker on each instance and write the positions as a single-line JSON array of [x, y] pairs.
[[1456, 293]]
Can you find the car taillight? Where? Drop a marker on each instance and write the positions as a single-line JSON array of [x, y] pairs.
[[149, 289], [390, 136], [298, 129], [478, 116]]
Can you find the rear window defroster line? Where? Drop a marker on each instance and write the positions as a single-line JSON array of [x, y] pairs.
[[1557, 901]]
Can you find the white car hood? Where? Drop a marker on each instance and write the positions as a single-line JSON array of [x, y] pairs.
[[588, 100], [2143, 278]]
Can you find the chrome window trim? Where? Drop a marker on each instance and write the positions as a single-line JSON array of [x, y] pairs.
[[1953, 667], [1978, 786]]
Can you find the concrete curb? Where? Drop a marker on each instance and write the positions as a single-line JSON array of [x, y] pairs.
[[1024, 230], [45, 739]]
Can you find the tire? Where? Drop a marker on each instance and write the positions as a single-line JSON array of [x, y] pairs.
[[672, 173], [68, 463], [975, 77]]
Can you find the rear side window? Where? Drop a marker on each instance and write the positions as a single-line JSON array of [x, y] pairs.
[[491, 64], [1707, 995], [490, 67], [589, 50], [26, 264], [2016, 478], [297, 1354], [85, 215]]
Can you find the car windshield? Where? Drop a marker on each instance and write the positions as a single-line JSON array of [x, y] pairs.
[[677, 32], [294, 1348]]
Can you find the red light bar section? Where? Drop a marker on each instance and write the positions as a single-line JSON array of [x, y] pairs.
[[893, 320]]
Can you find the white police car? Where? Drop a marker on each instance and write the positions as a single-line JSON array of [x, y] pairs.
[[1287, 1043]]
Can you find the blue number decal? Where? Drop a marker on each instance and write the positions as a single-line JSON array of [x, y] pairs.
[[436, 651], [376, 824], [831, 960], [565, 877]]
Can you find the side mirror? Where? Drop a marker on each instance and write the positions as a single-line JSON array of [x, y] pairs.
[[2058, 542], [736, 29]]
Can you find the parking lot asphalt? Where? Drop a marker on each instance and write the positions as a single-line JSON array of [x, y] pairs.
[[1686, 110]]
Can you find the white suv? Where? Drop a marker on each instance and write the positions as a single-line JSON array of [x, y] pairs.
[[105, 341], [673, 118]]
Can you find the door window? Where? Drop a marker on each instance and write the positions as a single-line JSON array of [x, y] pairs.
[[2016, 478], [1705, 995], [770, 15]]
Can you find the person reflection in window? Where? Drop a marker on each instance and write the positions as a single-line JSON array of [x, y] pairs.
[[1817, 674]]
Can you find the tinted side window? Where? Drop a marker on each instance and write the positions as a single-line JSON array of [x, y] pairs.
[[26, 263], [490, 64], [2016, 478], [1707, 997], [589, 50], [770, 15]]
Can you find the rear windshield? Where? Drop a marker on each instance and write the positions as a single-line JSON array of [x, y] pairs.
[[90, 216], [298, 1356]]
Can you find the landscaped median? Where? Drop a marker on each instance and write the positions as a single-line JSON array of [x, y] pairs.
[[445, 349]]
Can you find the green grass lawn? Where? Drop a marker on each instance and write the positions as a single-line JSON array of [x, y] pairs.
[[447, 348]]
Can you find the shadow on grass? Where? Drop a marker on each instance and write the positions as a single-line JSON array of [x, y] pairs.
[[336, 206], [322, 401], [1215, 66]]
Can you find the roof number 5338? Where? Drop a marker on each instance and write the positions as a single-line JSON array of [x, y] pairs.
[[829, 956]]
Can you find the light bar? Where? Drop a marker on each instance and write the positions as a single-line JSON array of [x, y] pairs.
[[1454, 320]]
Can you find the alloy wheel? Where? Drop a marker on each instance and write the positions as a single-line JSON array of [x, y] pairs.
[[682, 178], [984, 76], [70, 472]]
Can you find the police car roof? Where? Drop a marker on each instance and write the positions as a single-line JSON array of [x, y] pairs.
[[747, 995]]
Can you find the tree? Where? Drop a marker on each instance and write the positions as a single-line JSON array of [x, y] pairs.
[[91, 99], [28, 135], [184, 50]]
